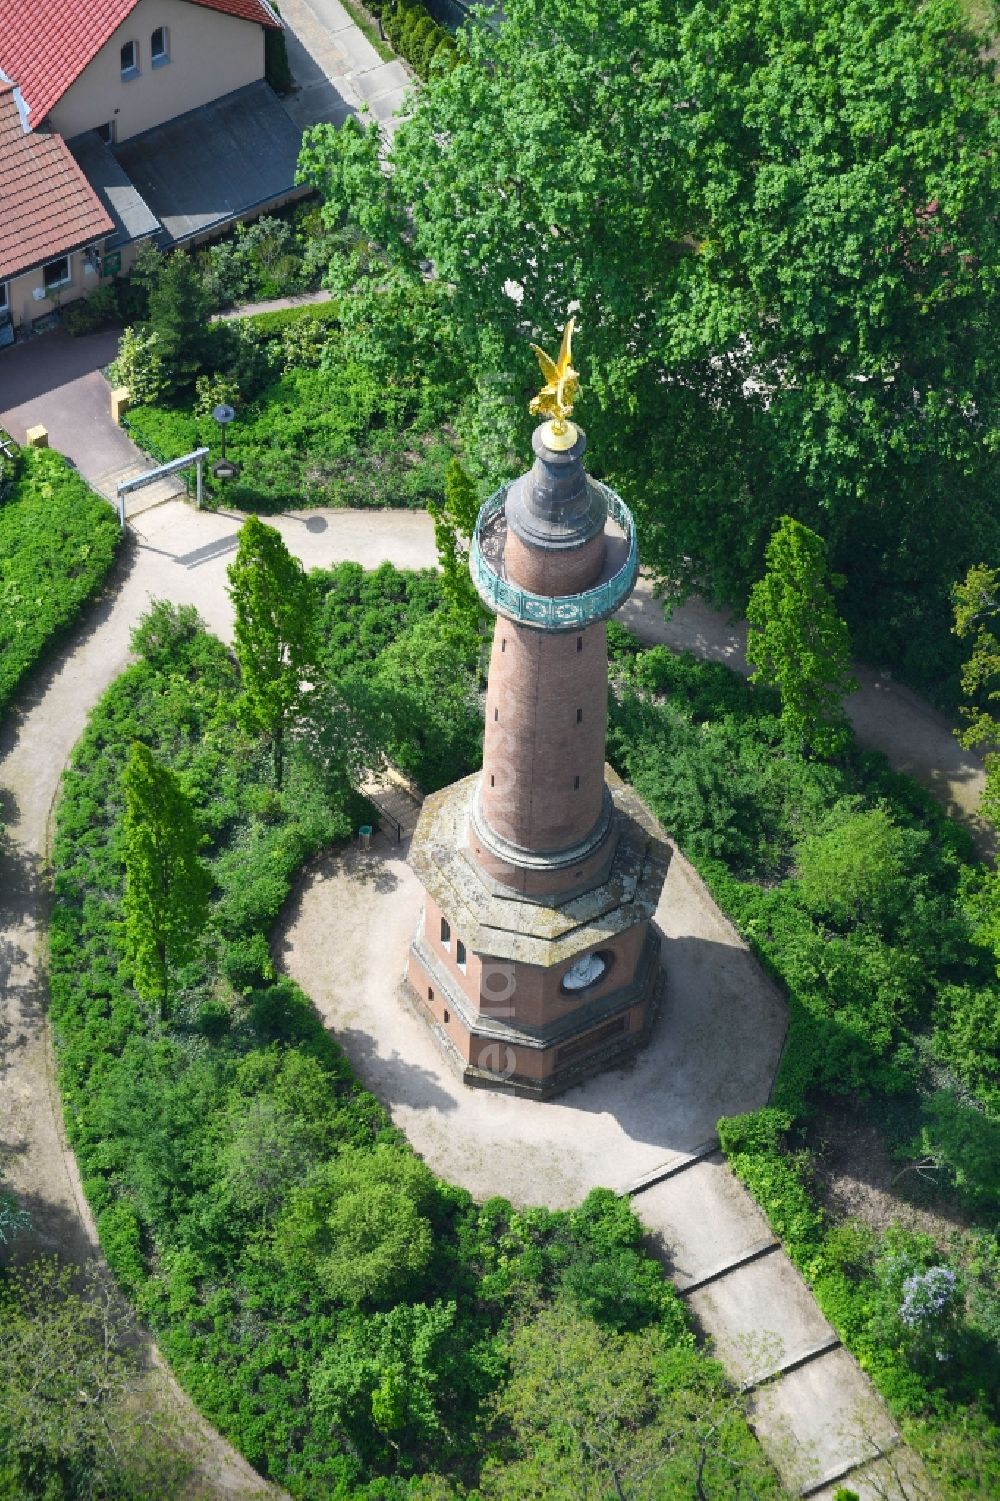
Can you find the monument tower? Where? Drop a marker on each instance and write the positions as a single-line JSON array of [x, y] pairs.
[[535, 960]]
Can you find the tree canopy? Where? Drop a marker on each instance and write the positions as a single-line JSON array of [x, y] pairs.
[[275, 631], [797, 641], [167, 887], [778, 220]]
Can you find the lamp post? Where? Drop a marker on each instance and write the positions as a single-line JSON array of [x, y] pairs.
[[224, 468]]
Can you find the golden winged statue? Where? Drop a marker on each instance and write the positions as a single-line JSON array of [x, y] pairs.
[[562, 384]]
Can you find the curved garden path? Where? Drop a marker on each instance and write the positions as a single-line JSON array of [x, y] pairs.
[[174, 552]]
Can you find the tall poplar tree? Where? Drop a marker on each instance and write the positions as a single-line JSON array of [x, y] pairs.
[[166, 885], [797, 641], [277, 643]]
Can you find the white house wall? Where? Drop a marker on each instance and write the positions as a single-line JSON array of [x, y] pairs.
[[211, 54]]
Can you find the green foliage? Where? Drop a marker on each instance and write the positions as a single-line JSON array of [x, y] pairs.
[[323, 420], [138, 365], [863, 960], [165, 901], [859, 864], [334, 1309], [424, 696], [965, 1140], [860, 898], [276, 70], [360, 1223], [70, 1428], [790, 291], [179, 308], [58, 540], [414, 34], [588, 1414], [385, 1374], [454, 519], [977, 619], [88, 314], [275, 632], [797, 643]]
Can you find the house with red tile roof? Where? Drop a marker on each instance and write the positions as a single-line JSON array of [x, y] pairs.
[[123, 121]]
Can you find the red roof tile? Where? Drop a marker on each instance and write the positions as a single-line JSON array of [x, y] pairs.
[[49, 207], [48, 53]]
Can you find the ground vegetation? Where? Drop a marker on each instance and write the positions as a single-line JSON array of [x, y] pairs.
[[58, 541], [862, 899], [347, 1319], [329, 411], [776, 224]]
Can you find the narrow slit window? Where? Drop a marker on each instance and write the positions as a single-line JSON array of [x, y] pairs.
[[447, 1016], [579, 716], [445, 931], [460, 957], [576, 784], [496, 716], [503, 643], [492, 779], [430, 992], [579, 643]]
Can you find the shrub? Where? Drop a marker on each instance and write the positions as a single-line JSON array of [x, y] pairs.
[[138, 365], [276, 69], [88, 314], [334, 1308], [58, 540]]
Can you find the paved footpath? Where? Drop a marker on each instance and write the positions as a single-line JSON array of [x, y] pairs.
[[646, 1130], [639, 1129], [336, 69]]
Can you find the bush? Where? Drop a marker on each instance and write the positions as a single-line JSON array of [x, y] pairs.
[[333, 1307], [58, 540], [276, 70], [138, 365], [415, 35], [88, 314], [344, 433]]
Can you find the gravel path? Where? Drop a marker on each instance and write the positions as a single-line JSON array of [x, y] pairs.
[[717, 1047], [714, 1052]]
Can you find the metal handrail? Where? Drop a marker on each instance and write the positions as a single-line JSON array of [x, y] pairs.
[[563, 612]]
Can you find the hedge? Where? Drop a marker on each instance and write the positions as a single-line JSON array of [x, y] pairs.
[[58, 540]]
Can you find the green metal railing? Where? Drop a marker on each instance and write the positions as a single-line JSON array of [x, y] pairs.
[[562, 612]]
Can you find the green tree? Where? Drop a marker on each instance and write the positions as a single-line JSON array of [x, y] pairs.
[[857, 866], [361, 1224], [275, 631], [424, 698], [977, 620], [797, 642], [777, 219], [384, 1373], [454, 522], [591, 1414], [71, 1428], [165, 905], [179, 315]]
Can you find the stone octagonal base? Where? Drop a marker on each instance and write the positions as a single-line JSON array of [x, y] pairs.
[[487, 966]]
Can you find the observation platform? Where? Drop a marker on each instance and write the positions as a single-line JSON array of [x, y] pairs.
[[563, 612]]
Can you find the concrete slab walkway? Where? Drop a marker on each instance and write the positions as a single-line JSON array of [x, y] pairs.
[[714, 1051], [336, 69]]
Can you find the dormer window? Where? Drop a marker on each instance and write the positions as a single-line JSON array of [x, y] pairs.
[[159, 47], [130, 60]]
